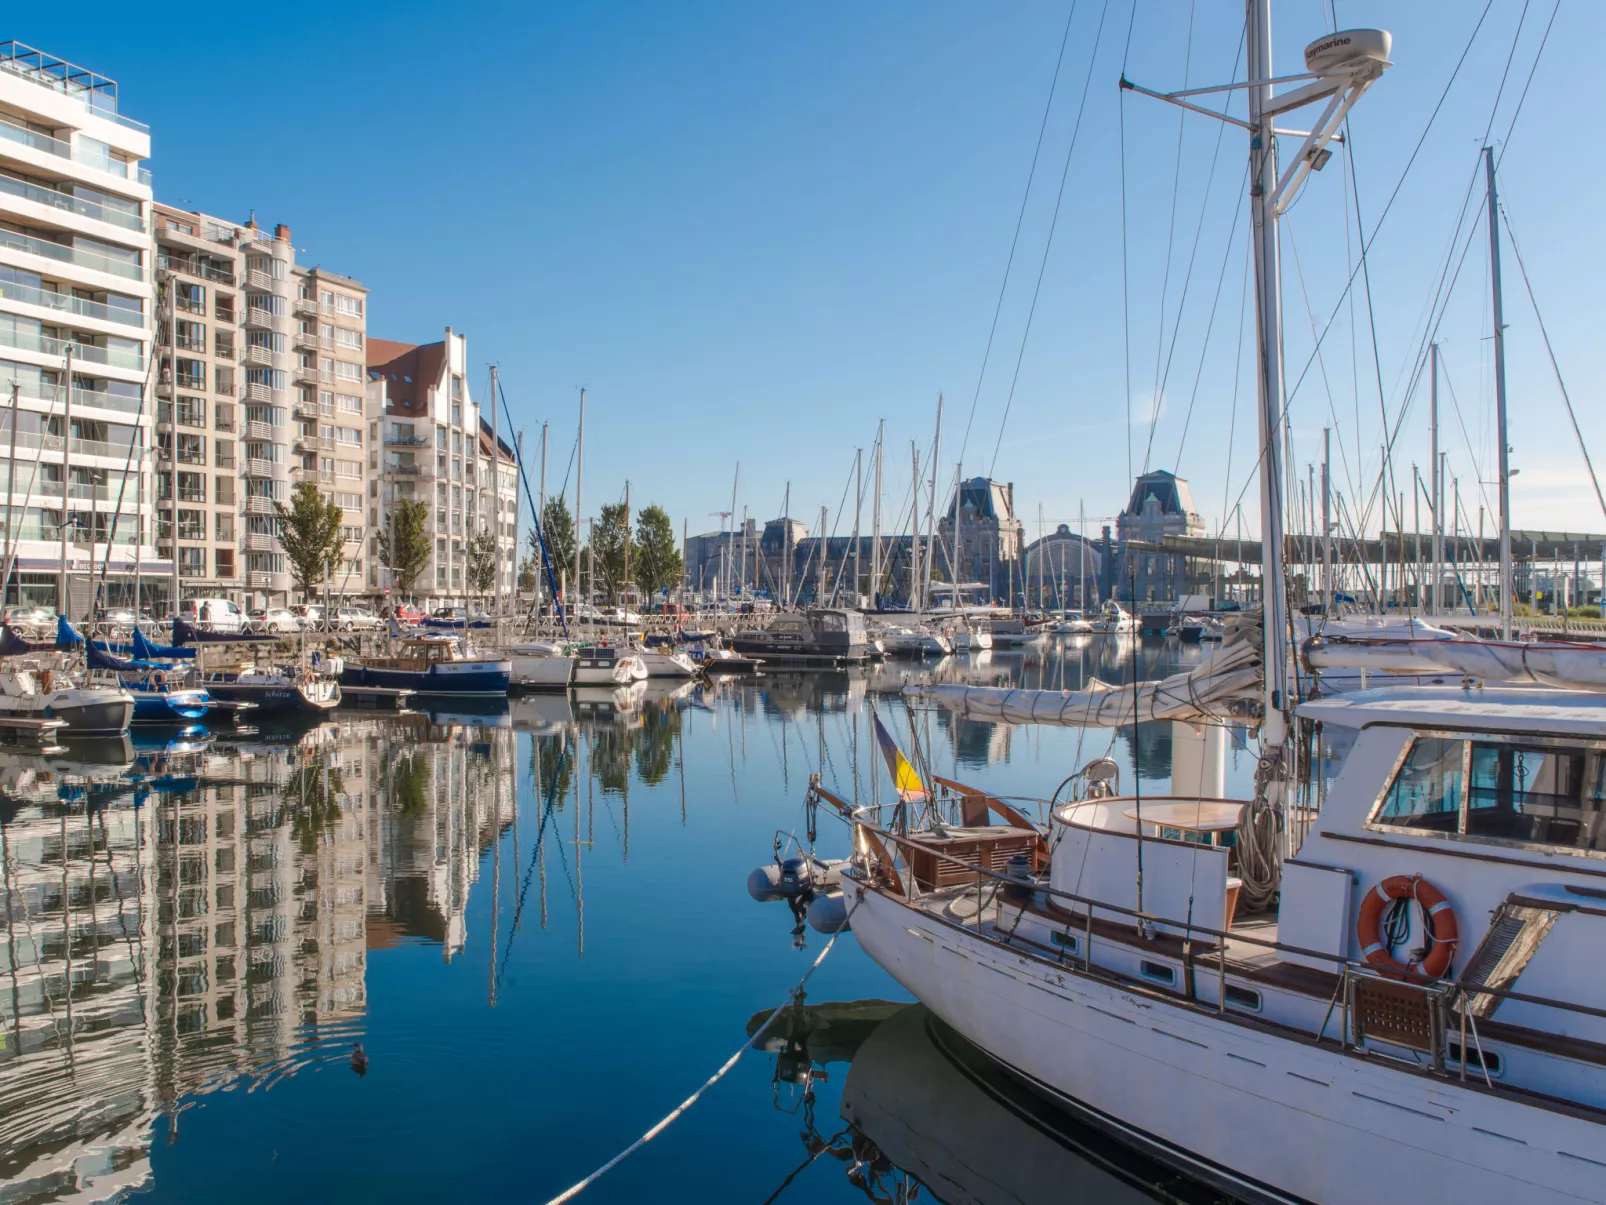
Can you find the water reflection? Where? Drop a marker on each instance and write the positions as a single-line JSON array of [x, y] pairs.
[[924, 1109], [196, 915]]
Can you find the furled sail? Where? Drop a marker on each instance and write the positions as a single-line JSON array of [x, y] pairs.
[[1225, 686], [1547, 663]]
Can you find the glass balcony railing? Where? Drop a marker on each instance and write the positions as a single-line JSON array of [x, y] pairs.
[[94, 158], [72, 305], [115, 357], [89, 397], [71, 204], [70, 255]]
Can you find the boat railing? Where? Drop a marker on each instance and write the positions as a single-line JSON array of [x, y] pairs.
[[1413, 1014]]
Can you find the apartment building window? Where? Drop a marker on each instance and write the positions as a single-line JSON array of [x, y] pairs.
[[349, 501], [457, 495], [225, 561], [440, 437], [457, 525], [269, 341], [457, 388], [326, 368], [326, 300], [457, 443], [326, 468], [190, 374], [269, 303], [350, 307], [223, 454], [190, 336], [224, 487], [440, 575], [440, 524], [348, 338], [440, 464], [457, 414], [440, 492], [267, 266], [347, 371], [223, 379], [192, 525], [272, 378], [191, 449], [224, 526], [192, 562], [457, 469], [349, 468], [190, 297], [191, 487], [348, 403], [223, 416], [223, 308], [350, 436], [191, 411], [326, 431], [326, 401]]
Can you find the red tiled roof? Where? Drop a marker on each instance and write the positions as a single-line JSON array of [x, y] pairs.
[[409, 371]]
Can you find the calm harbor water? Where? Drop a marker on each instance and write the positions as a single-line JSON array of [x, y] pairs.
[[536, 925]]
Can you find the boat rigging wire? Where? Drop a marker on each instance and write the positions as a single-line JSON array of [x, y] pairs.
[[1020, 218], [1171, 231], [1048, 242], [580, 1186], [1550, 351]]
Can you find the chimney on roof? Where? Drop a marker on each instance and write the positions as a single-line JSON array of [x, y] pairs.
[[251, 223], [281, 232]]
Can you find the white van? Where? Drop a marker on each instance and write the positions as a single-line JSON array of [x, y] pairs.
[[213, 614]]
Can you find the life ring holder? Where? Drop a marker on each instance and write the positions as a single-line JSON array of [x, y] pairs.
[[1442, 927], [159, 679]]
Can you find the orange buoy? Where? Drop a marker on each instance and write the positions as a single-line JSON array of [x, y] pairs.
[[1442, 928]]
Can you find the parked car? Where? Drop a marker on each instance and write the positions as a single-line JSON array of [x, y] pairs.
[[273, 619], [213, 614], [31, 618], [409, 614], [355, 619], [309, 615]]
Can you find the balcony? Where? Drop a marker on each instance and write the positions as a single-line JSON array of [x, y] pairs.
[[69, 255], [258, 506], [84, 353], [259, 468], [259, 432], [305, 411], [67, 304], [256, 393], [397, 440], [314, 443], [257, 542], [259, 317], [261, 355], [71, 204], [192, 265], [306, 305], [406, 470], [97, 93], [306, 339], [260, 581], [258, 279]]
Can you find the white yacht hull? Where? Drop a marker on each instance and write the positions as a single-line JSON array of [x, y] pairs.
[[667, 665], [542, 671], [972, 642], [1257, 1114]]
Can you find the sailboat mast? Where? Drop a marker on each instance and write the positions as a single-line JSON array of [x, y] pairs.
[[579, 479], [858, 508], [730, 543], [875, 521], [1506, 577], [1437, 503], [914, 546], [496, 511], [1327, 519], [931, 510], [1268, 329]]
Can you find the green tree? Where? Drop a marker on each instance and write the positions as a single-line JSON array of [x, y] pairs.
[[404, 543], [312, 796], [309, 533], [656, 562], [482, 562], [610, 541], [557, 524], [527, 571]]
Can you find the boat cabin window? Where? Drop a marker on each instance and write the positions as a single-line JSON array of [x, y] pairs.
[[1534, 794], [1426, 791], [1522, 792], [830, 621]]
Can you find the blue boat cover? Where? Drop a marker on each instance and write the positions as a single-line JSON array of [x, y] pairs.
[[144, 650], [13, 645], [66, 636]]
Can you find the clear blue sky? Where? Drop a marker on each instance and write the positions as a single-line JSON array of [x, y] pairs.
[[753, 230]]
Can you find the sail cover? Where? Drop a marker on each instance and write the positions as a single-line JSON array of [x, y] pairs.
[[1559, 664], [1226, 685]]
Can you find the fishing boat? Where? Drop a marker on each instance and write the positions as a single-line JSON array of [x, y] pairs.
[[818, 636], [430, 665]]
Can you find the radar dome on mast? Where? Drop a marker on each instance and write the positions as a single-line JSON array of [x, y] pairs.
[[1348, 49]]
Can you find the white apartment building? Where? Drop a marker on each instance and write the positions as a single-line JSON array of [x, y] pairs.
[[428, 442], [265, 359], [75, 283]]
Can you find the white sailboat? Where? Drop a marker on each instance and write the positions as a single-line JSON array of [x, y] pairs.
[[1389, 984]]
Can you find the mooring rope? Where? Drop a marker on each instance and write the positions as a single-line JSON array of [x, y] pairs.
[[574, 1191]]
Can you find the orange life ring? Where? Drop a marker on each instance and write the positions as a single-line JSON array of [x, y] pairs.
[[1442, 928], [159, 680]]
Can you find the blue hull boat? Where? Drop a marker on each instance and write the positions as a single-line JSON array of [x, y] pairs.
[[445, 678], [162, 706]]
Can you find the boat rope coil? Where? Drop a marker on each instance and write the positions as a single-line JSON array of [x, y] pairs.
[[1259, 868], [576, 1189]]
